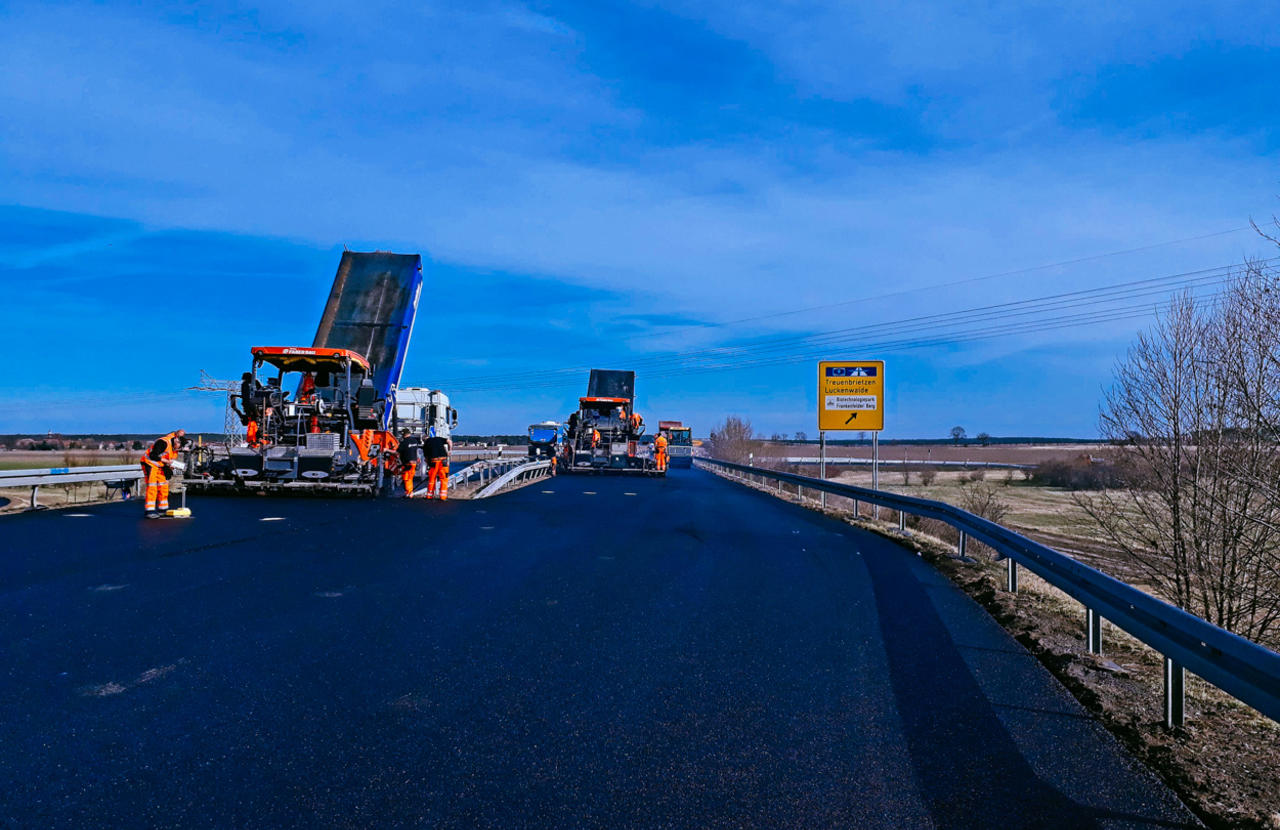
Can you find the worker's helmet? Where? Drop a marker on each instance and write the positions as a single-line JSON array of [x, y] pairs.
[[404, 433]]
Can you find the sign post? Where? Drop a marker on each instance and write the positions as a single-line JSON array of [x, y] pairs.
[[822, 462], [851, 397]]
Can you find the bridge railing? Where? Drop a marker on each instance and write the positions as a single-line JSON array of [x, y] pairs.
[[520, 473], [1247, 671], [123, 474]]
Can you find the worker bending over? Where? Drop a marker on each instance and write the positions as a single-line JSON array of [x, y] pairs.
[[660, 452], [157, 469], [410, 447], [437, 449]]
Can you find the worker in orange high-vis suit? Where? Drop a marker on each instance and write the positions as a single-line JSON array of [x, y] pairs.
[[595, 438], [660, 452], [157, 469], [410, 447], [436, 449]]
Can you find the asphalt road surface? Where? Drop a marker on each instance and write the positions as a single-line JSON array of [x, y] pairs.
[[585, 652]]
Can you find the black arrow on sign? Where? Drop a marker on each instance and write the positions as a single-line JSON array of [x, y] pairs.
[[850, 418]]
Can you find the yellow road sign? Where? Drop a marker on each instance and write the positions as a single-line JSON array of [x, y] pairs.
[[851, 394]]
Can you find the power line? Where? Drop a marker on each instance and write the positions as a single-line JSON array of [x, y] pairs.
[[1019, 308]]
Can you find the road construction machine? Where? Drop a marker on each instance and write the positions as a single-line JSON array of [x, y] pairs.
[[603, 435], [679, 443], [313, 425], [327, 419]]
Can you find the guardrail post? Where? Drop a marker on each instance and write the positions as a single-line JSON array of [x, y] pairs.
[[857, 509], [1011, 575], [962, 544], [1175, 690], [1093, 631], [35, 492]]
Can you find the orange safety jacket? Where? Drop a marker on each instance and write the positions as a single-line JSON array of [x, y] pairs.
[[169, 452]]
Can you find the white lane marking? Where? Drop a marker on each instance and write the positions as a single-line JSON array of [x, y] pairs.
[[102, 589], [487, 527], [628, 494], [272, 519], [78, 515], [548, 492], [329, 594], [114, 688], [588, 492]]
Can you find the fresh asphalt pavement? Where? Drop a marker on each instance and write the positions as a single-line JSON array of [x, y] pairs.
[[584, 652]]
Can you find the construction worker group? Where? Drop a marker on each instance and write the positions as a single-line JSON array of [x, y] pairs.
[[435, 449]]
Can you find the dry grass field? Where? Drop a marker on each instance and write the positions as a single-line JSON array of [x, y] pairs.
[[972, 453]]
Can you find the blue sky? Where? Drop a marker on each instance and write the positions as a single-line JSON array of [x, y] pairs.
[[616, 184]]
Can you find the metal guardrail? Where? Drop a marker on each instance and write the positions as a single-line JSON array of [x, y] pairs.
[[485, 470], [53, 476], [1247, 671], [896, 462], [530, 469]]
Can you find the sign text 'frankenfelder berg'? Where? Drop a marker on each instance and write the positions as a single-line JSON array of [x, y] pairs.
[[851, 394]]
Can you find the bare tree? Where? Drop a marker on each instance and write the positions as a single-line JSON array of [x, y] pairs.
[[985, 501], [1198, 518], [984, 439], [802, 436], [733, 440], [957, 434]]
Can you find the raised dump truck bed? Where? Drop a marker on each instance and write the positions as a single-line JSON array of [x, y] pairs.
[[371, 308]]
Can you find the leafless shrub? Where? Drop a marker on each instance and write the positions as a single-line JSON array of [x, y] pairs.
[[977, 475], [1194, 412], [985, 501], [928, 477], [1079, 474], [733, 440]]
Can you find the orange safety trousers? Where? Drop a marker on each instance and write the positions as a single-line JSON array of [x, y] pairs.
[[661, 458], [406, 476], [439, 472]]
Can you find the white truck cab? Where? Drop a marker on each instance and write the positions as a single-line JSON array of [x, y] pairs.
[[419, 410]]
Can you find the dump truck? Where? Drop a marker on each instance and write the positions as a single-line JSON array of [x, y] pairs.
[[370, 310], [324, 420], [679, 443], [544, 440], [602, 436]]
